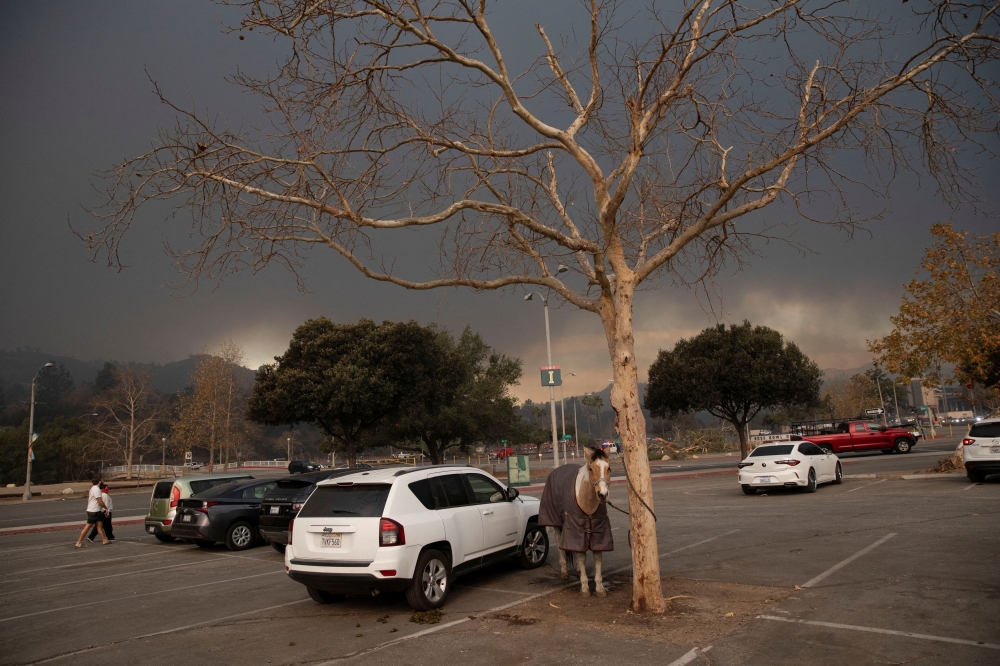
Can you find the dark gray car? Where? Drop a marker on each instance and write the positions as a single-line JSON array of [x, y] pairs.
[[228, 513]]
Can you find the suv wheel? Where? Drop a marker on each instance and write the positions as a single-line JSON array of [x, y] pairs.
[[240, 536], [902, 446], [811, 481], [839, 476], [749, 490], [535, 549], [322, 596], [431, 581]]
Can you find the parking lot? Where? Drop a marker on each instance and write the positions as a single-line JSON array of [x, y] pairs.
[[874, 571]]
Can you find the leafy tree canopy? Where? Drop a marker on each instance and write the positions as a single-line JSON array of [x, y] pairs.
[[733, 374], [465, 397], [347, 379], [951, 316]]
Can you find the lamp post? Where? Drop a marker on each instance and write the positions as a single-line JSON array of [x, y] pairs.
[[31, 432], [163, 457], [562, 410], [548, 349]]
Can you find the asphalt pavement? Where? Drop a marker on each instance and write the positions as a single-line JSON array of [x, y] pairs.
[[887, 571]]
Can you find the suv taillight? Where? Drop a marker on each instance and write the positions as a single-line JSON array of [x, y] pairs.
[[390, 533], [175, 496], [291, 526], [745, 464], [791, 461], [968, 440]]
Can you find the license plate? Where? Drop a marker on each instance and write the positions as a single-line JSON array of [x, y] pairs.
[[275, 509], [330, 541], [186, 518], [150, 529], [995, 451], [763, 479]]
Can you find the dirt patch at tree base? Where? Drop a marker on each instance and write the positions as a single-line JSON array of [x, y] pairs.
[[698, 613]]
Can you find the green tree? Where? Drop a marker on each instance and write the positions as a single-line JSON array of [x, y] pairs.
[[347, 379], [464, 397], [733, 374], [105, 379]]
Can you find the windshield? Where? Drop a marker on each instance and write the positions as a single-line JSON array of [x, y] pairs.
[[365, 501], [219, 491], [776, 450], [985, 430]]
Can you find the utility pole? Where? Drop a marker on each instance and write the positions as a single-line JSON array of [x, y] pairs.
[[895, 401], [31, 433], [576, 431], [163, 458]]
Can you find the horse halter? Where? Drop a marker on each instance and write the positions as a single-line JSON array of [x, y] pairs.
[[593, 483]]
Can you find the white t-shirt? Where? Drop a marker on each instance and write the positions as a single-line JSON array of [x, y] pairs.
[[107, 501], [95, 494]]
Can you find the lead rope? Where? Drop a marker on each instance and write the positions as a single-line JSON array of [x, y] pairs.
[[638, 497]]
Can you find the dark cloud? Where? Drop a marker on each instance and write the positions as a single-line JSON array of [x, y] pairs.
[[76, 99]]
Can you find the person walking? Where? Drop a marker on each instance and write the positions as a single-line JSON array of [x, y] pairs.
[[109, 505], [95, 513]]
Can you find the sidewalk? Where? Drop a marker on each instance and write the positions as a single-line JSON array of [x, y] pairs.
[[77, 488]]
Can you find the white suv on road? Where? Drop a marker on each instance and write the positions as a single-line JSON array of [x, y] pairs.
[[409, 530], [981, 449]]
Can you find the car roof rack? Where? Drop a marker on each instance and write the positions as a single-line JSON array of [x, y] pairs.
[[410, 470]]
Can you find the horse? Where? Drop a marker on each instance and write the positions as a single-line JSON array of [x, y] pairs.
[[574, 506]]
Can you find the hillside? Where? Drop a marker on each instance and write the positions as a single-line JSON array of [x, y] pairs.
[[19, 366]]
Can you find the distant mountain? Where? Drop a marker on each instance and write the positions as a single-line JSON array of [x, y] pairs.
[[19, 366], [836, 374]]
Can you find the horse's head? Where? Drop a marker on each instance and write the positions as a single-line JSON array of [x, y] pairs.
[[599, 469]]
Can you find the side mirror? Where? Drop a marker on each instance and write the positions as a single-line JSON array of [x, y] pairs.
[[512, 494]]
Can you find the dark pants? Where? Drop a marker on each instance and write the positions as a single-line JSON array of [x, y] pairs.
[[108, 533]]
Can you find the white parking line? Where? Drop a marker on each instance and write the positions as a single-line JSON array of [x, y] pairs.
[[890, 632], [170, 631], [844, 563], [136, 596], [867, 485], [971, 485], [677, 550], [81, 564], [690, 656]]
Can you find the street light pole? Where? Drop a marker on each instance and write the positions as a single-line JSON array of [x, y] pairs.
[[562, 410], [576, 431], [552, 390], [163, 458], [31, 432]]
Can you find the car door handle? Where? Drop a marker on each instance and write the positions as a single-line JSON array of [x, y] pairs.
[[488, 513]]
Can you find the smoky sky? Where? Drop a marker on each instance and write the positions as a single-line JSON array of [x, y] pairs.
[[76, 98]]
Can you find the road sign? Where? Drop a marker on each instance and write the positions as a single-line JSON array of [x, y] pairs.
[[567, 436], [760, 439], [503, 441], [874, 412], [551, 375], [187, 455], [518, 473]]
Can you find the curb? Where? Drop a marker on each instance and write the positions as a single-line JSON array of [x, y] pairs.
[[860, 476], [56, 527], [946, 475]]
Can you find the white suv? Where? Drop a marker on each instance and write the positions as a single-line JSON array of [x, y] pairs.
[[409, 530], [981, 449]]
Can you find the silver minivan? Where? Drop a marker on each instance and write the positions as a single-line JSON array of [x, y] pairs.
[[167, 493]]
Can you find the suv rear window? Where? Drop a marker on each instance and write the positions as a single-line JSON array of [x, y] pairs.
[[205, 484], [365, 501], [779, 450], [985, 430], [162, 490]]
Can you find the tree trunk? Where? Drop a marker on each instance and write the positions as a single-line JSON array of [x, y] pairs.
[[647, 595], [741, 432]]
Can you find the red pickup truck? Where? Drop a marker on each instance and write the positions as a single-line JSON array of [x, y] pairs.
[[852, 436]]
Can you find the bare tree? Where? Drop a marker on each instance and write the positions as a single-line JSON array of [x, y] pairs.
[[638, 152], [128, 413], [213, 415]]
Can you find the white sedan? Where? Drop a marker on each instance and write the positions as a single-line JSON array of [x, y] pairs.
[[789, 464]]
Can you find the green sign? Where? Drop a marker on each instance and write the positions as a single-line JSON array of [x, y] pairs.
[[551, 375], [518, 473], [567, 436]]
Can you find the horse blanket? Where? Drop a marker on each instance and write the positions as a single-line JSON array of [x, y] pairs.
[[580, 532]]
